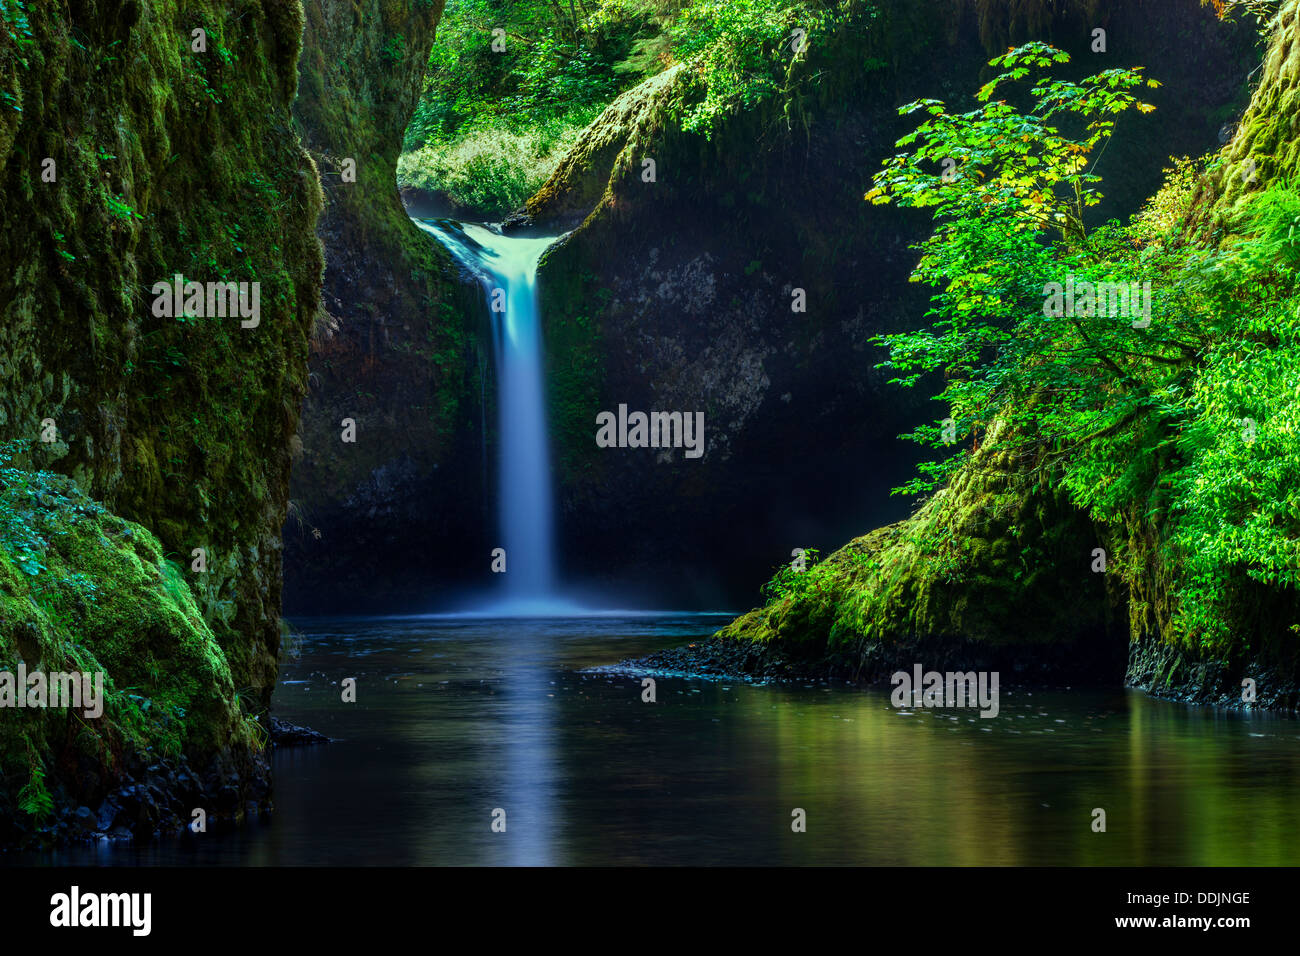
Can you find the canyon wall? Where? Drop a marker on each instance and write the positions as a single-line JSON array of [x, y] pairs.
[[134, 149]]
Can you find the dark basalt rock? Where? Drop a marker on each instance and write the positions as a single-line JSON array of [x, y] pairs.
[[719, 658], [398, 346], [285, 734]]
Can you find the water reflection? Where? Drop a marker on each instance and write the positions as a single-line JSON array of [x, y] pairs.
[[455, 718], [529, 760]]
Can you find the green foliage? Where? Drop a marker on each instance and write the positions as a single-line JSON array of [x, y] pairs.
[[1262, 11], [555, 66], [394, 50], [489, 166], [17, 535], [490, 125], [14, 15], [744, 51], [1019, 166], [1182, 417], [34, 799], [789, 582], [564, 62], [819, 577], [999, 180], [1235, 492], [119, 208]]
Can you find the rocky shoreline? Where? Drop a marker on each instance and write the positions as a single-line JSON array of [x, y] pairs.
[[721, 658], [158, 799], [1156, 671]]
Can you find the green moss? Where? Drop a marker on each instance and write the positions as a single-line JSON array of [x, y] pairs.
[[84, 590], [996, 557], [1265, 148], [168, 161], [179, 162], [572, 302]]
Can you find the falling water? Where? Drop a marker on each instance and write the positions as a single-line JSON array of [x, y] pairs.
[[507, 267]]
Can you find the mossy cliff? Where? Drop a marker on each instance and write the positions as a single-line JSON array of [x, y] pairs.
[[697, 311], [129, 155], [1263, 620], [1267, 141], [395, 345], [1000, 570]]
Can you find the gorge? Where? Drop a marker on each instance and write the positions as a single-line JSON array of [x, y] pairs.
[[454, 559]]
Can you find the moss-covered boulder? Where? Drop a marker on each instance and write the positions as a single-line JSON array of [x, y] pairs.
[[85, 592], [995, 569], [585, 179], [1000, 570]]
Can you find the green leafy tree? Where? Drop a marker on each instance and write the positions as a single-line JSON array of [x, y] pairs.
[[744, 51], [1002, 182], [1018, 165]]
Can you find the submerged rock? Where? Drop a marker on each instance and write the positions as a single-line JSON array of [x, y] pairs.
[[285, 734]]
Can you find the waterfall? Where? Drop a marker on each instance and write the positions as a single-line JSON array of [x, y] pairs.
[[507, 267]]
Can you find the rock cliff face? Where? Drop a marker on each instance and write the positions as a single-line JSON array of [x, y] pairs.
[[699, 309], [140, 140], [1266, 147], [396, 348]]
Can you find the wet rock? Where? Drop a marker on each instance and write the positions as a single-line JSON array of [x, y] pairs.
[[285, 734]]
